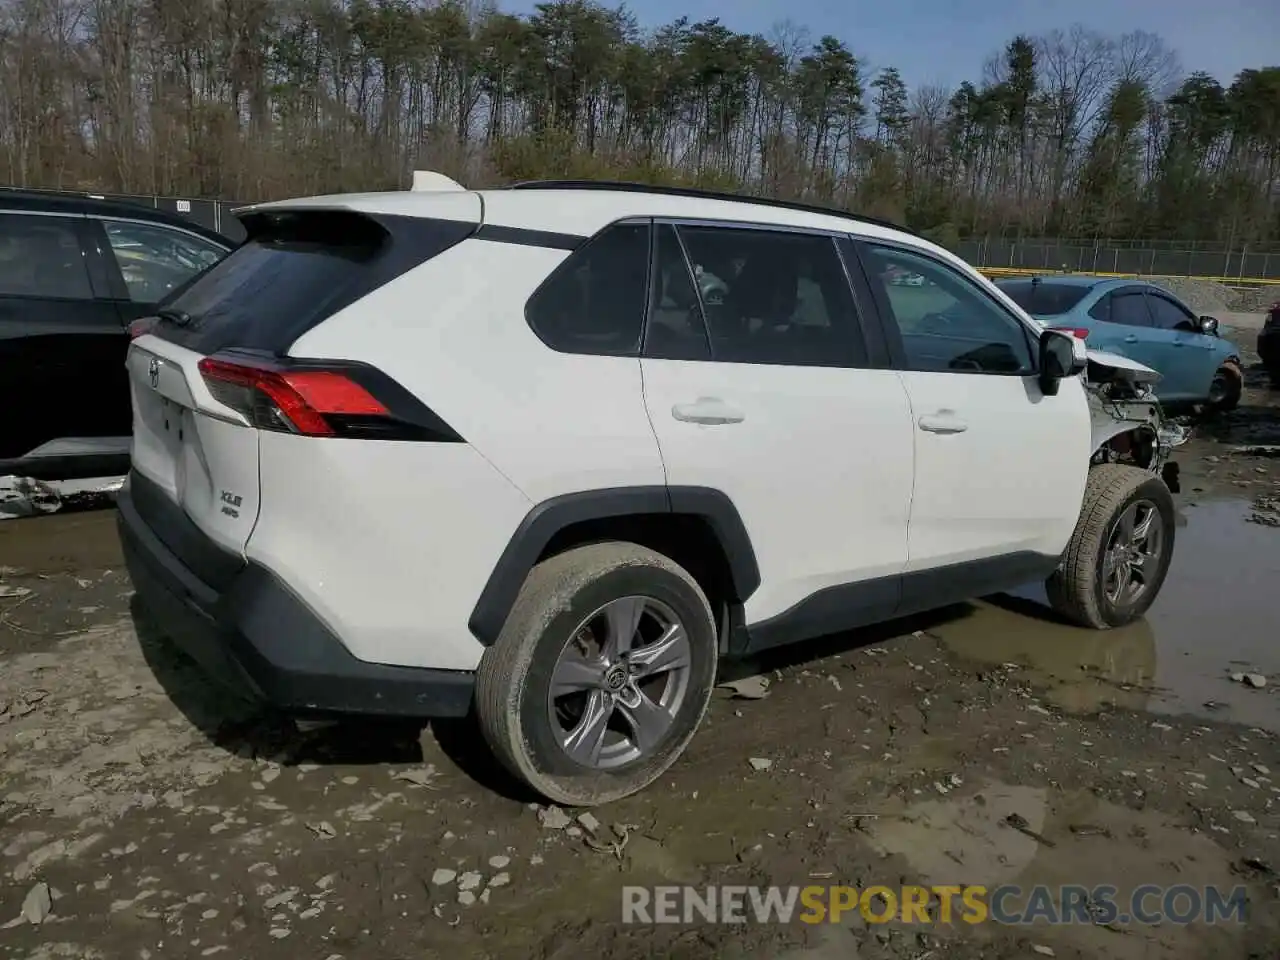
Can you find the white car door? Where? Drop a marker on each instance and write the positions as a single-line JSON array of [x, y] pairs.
[[1000, 467], [759, 386]]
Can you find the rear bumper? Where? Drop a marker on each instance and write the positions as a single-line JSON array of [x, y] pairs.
[[257, 638]]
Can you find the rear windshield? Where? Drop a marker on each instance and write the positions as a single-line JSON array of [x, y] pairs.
[[293, 272], [1045, 298]]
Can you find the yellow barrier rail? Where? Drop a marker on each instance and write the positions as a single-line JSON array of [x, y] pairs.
[[1025, 272]]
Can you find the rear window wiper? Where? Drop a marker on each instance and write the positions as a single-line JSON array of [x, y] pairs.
[[179, 318]]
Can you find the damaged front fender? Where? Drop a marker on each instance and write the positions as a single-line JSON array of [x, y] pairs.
[[1128, 423]]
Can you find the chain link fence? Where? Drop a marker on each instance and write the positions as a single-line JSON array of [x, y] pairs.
[[1110, 257]]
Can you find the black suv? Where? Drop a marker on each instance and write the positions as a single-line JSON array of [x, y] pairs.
[[74, 272]]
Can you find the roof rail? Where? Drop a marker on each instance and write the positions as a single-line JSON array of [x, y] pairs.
[[47, 192], [633, 187]]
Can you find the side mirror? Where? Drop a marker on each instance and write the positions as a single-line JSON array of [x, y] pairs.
[[1061, 356], [1209, 326]]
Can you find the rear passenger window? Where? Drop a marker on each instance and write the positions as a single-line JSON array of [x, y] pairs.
[[594, 302], [1130, 309], [42, 257], [773, 297]]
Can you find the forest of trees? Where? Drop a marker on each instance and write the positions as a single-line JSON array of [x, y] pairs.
[[1073, 133]]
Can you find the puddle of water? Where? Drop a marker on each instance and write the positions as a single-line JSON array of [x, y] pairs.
[[966, 839], [1215, 615]]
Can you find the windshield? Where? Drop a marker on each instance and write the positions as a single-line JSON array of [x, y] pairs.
[[1044, 298]]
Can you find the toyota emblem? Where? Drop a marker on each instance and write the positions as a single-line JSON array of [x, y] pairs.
[[153, 372]]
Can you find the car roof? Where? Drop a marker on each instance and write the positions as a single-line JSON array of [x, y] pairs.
[[583, 208], [73, 204]]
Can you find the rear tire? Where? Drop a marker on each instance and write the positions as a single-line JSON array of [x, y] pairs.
[[1084, 587], [1228, 384], [563, 630]]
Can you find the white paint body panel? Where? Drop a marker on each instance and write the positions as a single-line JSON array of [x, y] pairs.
[[1012, 481], [820, 467], [190, 445], [389, 543], [453, 332]]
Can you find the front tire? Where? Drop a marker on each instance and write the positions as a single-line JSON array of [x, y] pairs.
[[601, 674], [1227, 386], [1120, 551]]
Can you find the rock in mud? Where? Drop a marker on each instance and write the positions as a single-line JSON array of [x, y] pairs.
[[1255, 680], [443, 876], [760, 763], [419, 776], [38, 904], [749, 688], [553, 818]]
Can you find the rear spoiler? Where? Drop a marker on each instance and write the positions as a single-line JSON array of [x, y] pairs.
[[424, 181]]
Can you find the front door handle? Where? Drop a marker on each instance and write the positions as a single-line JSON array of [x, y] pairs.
[[944, 421], [1179, 343], [710, 411], [1131, 339]]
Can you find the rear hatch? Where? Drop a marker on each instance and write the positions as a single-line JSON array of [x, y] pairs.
[[211, 370]]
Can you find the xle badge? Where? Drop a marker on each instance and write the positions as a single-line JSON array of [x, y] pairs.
[[231, 503]]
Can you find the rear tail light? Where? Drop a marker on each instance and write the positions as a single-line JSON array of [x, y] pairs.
[[316, 400], [1081, 332]]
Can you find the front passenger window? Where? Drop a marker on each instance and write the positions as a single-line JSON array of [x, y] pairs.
[[1167, 315], [948, 324]]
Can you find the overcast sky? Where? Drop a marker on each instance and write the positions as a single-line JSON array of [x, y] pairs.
[[947, 41]]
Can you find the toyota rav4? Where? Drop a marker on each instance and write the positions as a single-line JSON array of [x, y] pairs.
[[550, 452]]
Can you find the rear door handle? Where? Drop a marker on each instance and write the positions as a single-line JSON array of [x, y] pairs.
[[1131, 339], [711, 411], [942, 422]]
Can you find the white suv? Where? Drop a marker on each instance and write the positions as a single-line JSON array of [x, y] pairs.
[[403, 453]]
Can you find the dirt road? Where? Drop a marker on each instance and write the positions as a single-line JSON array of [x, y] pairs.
[[984, 745]]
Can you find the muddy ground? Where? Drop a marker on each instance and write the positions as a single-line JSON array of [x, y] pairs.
[[167, 823]]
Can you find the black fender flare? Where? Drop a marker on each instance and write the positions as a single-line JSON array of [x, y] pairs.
[[548, 518]]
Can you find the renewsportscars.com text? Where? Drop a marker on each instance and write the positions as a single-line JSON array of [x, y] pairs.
[[1008, 904]]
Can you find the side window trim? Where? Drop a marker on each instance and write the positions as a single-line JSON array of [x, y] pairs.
[[888, 325], [226, 245], [871, 318], [859, 329], [656, 226], [104, 271]]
